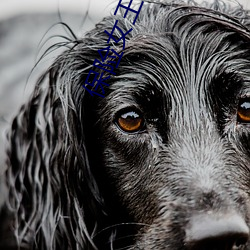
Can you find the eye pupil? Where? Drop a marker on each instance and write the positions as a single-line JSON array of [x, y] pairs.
[[130, 115], [245, 105], [243, 113], [130, 121]]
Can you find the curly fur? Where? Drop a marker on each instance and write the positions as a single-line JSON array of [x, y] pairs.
[[75, 181]]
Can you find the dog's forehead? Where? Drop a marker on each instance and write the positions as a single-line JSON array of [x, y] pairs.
[[184, 49]]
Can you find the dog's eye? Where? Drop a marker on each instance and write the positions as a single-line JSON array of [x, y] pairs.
[[243, 113], [130, 121]]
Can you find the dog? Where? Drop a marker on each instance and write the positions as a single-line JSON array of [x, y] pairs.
[[161, 162]]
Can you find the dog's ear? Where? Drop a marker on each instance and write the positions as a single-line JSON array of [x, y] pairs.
[[52, 191], [53, 197]]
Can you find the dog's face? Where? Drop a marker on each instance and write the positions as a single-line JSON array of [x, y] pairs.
[[174, 132], [161, 162]]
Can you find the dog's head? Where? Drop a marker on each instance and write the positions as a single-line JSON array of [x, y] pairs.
[[163, 159]]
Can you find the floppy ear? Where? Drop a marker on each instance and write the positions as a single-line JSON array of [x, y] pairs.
[[52, 191], [54, 198]]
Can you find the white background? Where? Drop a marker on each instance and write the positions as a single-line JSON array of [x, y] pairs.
[[97, 7]]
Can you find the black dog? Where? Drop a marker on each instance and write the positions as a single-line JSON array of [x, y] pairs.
[[161, 162]]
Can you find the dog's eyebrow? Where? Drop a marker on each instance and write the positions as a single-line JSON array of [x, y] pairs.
[[227, 81]]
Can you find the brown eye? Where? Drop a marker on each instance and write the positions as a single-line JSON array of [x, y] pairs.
[[130, 121], [243, 113]]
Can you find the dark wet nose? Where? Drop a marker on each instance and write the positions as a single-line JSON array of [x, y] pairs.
[[217, 232]]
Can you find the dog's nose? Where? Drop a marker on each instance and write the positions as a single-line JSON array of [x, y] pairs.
[[217, 232]]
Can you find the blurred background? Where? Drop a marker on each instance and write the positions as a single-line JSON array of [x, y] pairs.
[[25, 26]]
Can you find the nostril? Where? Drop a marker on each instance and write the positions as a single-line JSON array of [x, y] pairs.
[[223, 242], [240, 242], [217, 232]]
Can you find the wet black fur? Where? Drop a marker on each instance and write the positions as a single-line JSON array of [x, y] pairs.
[[76, 181]]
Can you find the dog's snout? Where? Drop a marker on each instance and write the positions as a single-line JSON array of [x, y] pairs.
[[217, 232]]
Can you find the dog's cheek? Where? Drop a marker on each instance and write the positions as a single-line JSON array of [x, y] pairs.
[[131, 172], [244, 139]]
